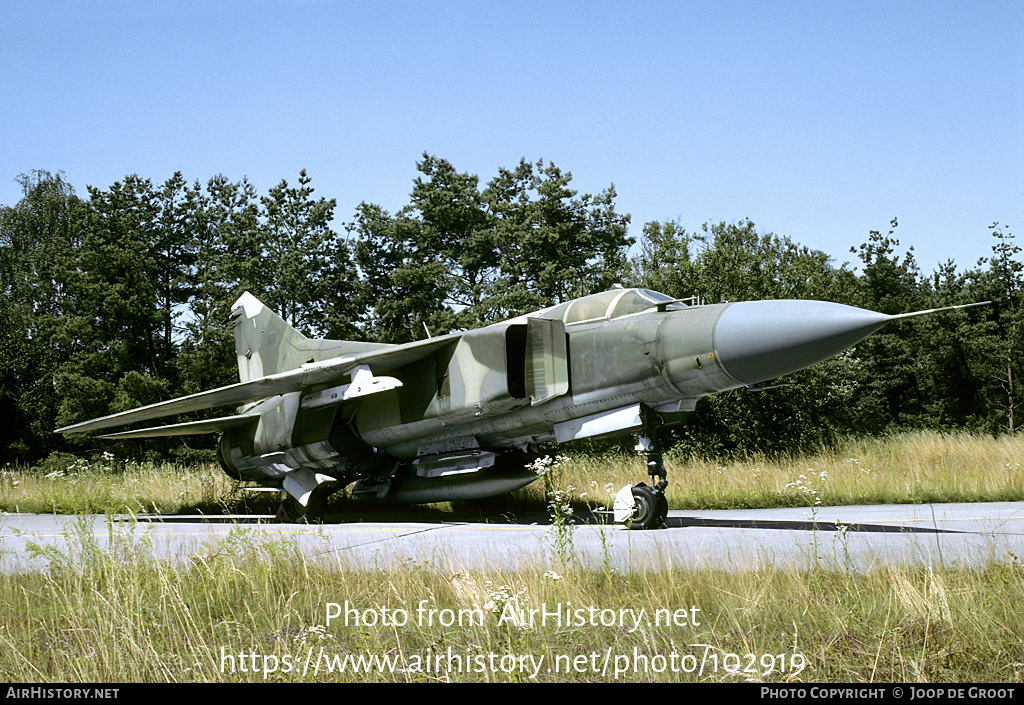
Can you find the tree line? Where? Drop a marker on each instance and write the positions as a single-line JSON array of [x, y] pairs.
[[121, 298]]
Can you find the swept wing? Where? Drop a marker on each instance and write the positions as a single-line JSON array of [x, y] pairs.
[[304, 378]]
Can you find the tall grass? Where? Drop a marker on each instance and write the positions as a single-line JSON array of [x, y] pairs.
[[908, 468], [69, 485], [915, 467], [254, 609]]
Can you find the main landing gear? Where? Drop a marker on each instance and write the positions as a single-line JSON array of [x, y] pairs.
[[643, 507]]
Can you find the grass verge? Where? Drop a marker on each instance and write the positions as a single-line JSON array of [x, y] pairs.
[[254, 609], [908, 468]]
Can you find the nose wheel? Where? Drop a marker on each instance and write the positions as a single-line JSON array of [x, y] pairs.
[[650, 507]]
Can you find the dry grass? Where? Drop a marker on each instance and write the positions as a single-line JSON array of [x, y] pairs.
[[108, 485], [915, 467], [254, 609], [909, 468]]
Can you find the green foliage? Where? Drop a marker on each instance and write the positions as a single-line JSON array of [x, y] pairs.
[[116, 289], [950, 371], [123, 298], [226, 213], [811, 409], [555, 245], [39, 240], [81, 397], [403, 289], [294, 262], [734, 262], [457, 257]]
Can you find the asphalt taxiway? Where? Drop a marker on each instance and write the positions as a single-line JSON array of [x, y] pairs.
[[846, 538]]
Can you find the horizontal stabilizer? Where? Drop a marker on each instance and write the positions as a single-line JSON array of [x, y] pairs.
[[187, 429]]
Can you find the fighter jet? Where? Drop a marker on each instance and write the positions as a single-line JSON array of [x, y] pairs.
[[460, 416]]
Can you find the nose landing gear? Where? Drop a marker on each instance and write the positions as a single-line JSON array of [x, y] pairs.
[[643, 507]]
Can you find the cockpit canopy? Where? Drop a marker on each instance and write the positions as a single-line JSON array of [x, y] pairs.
[[612, 304]]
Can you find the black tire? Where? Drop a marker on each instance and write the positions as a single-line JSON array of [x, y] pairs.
[[651, 508]]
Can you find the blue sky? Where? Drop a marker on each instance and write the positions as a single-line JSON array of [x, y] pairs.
[[819, 121]]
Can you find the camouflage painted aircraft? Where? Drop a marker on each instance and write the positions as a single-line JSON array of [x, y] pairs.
[[460, 416]]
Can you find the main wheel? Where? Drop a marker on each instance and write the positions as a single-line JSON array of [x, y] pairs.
[[651, 508]]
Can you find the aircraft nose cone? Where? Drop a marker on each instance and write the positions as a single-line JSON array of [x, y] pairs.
[[760, 340]]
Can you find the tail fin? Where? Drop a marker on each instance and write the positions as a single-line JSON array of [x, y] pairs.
[[266, 344]]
